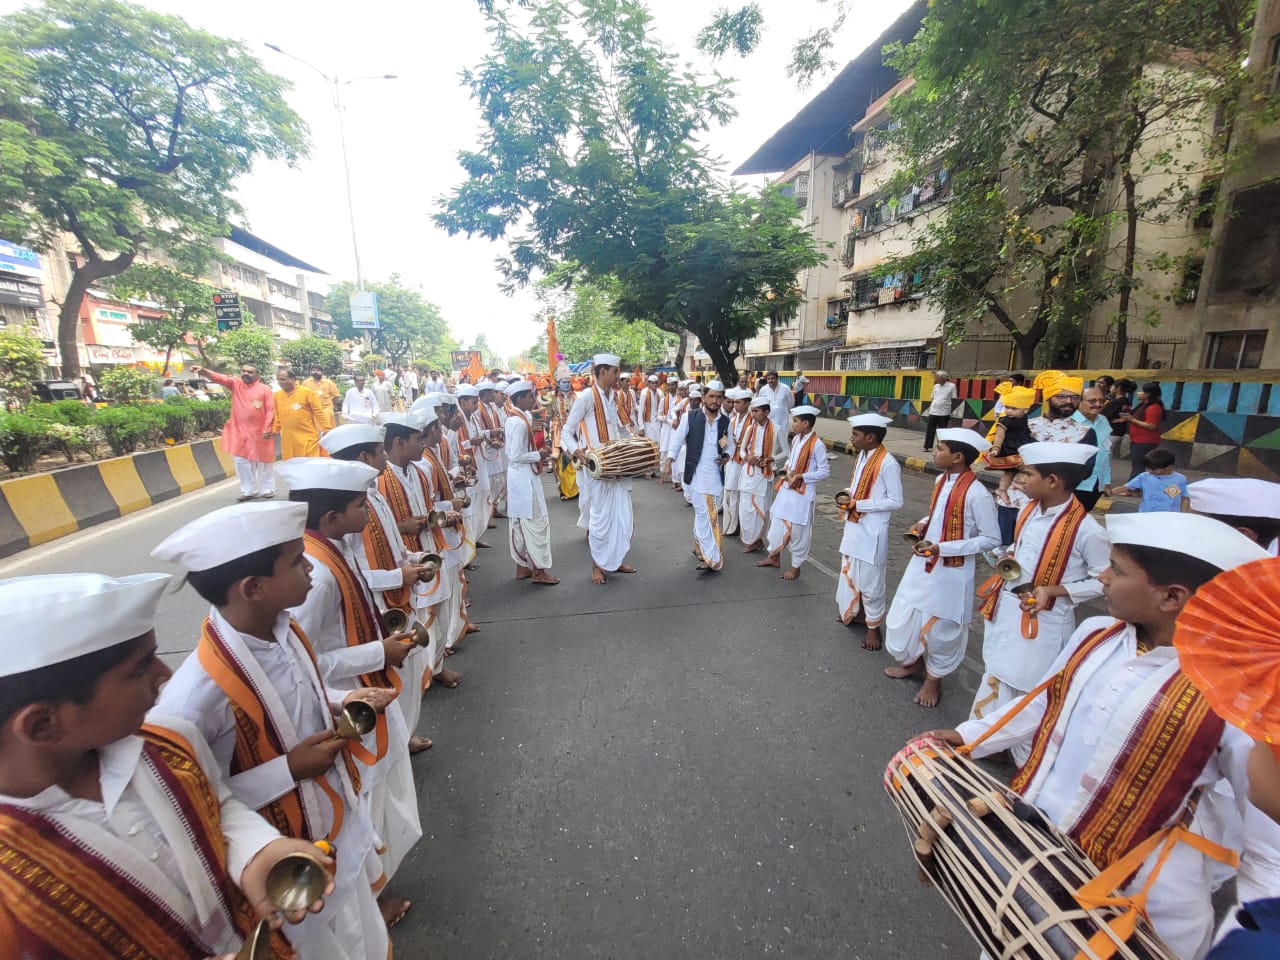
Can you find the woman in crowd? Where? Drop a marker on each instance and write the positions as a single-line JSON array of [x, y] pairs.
[[1144, 425]]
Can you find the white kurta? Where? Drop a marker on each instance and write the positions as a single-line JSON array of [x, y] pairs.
[[650, 413], [136, 828], [1006, 653], [300, 705], [1103, 703], [791, 516], [611, 521], [755, 490], [864, 547], [931, 610], [526, 501]]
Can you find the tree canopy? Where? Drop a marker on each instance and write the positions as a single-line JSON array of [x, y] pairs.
[[586, 323], [186, 305], [307, 352], [592, 154], [411, 325], [127, 128]]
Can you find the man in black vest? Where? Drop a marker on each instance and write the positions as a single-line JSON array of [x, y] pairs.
[[704, 434]]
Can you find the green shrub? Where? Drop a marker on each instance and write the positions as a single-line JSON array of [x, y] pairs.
[[73, 440], [70, 412], [22, 439], [124, 428], [176, 418], [128, 384], [211, 416]]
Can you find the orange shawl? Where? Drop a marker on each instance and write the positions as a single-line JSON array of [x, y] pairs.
[[953, 522], [861, 490], [360, 625], [1052, 564], [802, 462], [61, 900], [257, 739]]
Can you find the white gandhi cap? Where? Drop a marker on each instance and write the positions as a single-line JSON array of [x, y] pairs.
[[805, 411], [1187, 533], [606, 360], [325, 473], [518, 386], [962, 435], [58, 617], [1236, 497], [233, 532], [1037, 453], [869, 420], [350, 435], [467, 390], [759, 402]]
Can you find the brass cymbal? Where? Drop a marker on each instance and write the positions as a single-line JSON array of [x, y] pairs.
[[257, 946], [356, 720], [296, 882]]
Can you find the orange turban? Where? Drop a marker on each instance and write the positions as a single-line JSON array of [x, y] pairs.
[[1019, 398], [1228, 642], [1063, 384], [1043, 380]]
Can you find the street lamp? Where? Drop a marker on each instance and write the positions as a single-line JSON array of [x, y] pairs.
[[335, 85]]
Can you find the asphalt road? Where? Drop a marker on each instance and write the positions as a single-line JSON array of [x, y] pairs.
[[673, 765]]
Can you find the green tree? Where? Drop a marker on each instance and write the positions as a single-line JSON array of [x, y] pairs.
[[307, 352], [411, 325], [127, 128], [586, 323], [249, 344], [129, 384], [592, 155], [1065, 123], [21, 362], [186, 305]]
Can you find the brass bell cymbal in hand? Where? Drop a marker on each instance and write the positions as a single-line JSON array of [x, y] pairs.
[[356, 720], [297, 882], [257, 946]]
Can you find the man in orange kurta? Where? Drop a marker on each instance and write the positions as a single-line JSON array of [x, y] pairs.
[[249, 435], [301, 418]]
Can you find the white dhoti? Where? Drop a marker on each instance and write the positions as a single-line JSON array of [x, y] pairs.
[[351, 930], [612, 523], [256, 477], [677, 469], [706, 529], [458, 620], [498, 490], [584, 498], [531, 540], [993, 693], [393, 808], [753, 515], [911, 633], [731, 522], [413, 679], [795, 537], [861, 586]]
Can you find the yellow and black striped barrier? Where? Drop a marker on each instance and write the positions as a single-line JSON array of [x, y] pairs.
[[44, 506]]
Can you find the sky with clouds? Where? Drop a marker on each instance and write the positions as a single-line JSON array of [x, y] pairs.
[[403, 135]]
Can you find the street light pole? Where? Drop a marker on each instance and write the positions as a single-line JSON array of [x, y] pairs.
[[335, 86]]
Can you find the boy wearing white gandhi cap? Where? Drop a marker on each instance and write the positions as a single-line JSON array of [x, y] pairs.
[[114, 813], [875, 493], [1059, 551], [1114, 707], [927, 628], [1250, 505], [526, 503], [396, 577], [341, 620], [791, 517], [255, 692], [763, 452], [736, 401], [595, 420]]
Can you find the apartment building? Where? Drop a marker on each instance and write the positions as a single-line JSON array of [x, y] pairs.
[[1236, 323], [281, 291]]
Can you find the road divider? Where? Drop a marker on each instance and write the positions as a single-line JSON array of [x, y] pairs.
[[41, 507]]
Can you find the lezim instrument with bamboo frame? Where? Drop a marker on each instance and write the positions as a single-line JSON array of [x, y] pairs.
[[1010, 875], [630, 457]]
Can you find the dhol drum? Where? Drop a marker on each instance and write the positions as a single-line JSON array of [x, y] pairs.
[[632, 457], [1006, 871]]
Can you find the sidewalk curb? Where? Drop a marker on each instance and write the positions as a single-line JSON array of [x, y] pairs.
[[920, 465], [45, 506]]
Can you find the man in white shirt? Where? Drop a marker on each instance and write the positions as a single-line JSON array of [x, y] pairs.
[[611, 521], [781, 399], [526, 502], [382, 390], [938, 413], [704, 433], [409, 385], [360, 405]]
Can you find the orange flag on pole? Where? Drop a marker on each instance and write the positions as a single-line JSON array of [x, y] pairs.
[[476, 368], [553, 347]]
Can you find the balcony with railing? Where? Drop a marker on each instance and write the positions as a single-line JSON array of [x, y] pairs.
[[798, 188], [884, 210]]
